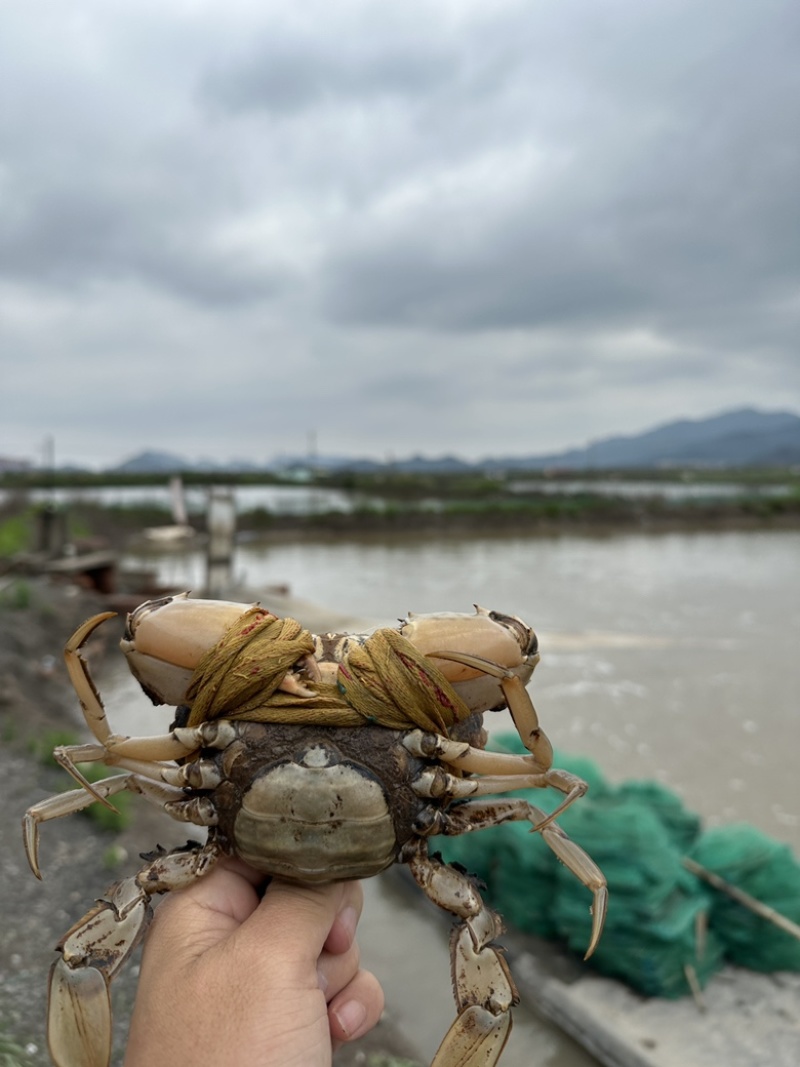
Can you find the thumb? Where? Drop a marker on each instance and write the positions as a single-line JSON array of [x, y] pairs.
[[297, 919], [190, 921]]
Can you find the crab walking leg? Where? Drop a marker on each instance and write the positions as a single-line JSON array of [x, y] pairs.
[[500, 771], [477, 814], [93, 711], [434, 782], [59, 805], [482, 985], [77, 799], [79, 1003], [147, 757], [66, 757]]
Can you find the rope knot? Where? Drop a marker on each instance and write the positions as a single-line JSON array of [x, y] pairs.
[[386, 681]]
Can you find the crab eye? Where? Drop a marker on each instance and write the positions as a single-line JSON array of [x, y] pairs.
[[528, 641]]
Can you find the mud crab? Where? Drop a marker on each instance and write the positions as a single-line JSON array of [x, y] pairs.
[[313, 758]]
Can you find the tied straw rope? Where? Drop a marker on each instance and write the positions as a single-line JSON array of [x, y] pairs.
[[385, 682]]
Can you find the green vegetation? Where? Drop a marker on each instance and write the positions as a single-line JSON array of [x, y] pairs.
[[16, 533], [41, 748], [12, 1054], [528, 512], [387, 481], [391, 501], [16, 596], [113, 857]]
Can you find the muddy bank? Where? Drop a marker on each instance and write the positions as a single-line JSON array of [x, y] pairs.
[[78, 859]]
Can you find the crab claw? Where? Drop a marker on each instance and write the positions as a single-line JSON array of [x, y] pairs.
[[489, 634], [166, 639]]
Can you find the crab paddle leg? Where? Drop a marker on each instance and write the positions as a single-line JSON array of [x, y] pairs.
[[482, 984], [79, 1005]]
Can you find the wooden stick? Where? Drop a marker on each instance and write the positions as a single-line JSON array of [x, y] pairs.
[[694, 986], [743, 898]]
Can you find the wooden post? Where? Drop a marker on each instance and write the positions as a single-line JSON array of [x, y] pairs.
[[51, 532], [221, 537]]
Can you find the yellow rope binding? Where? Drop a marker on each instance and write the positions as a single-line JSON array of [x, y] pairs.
[[386, 681]]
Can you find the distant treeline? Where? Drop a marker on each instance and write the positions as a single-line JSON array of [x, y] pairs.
[[387, 480], [391, 503], [532, 513]]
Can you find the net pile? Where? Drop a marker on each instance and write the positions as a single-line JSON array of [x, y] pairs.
[[766, 870], [665, 927]]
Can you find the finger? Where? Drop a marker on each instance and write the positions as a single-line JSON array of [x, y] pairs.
[[297, 920], [335, 971], [192, 920], [343, 932], [356, 1009]]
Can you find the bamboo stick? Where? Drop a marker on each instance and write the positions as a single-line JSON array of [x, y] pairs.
[[743, 898]]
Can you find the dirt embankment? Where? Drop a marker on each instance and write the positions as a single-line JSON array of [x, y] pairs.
[[78, 859]]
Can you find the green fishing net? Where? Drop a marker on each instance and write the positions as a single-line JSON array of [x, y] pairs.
[[764, 869], [663, 923]]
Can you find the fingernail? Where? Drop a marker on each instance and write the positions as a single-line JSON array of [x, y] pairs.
[[351, 1015], [322, 981]]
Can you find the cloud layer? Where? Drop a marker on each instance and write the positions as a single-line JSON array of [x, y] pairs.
[[427, 226]]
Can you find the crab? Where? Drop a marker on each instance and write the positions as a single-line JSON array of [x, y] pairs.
[[313, 759]]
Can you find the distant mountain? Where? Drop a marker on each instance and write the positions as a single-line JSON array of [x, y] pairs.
[[154, 462], [744, 438], [288, 462], [150, 462]]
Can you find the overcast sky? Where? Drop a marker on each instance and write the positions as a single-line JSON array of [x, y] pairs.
[[441, 226]]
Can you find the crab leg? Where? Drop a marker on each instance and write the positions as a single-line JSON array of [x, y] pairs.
[[477, 814], [434, 782], [500, 771], [519, 703], [95, 715], [482, 985], [78, 670], [147, 757], [79, 1004], [77, 799], [59, 805]]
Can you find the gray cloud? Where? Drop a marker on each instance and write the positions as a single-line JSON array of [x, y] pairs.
[[671, 209], [289, 72], [427, 225]]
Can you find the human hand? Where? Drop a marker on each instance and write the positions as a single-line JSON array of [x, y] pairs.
[[229, 978]]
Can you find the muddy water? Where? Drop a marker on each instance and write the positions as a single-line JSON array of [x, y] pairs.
[[671, 657]]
